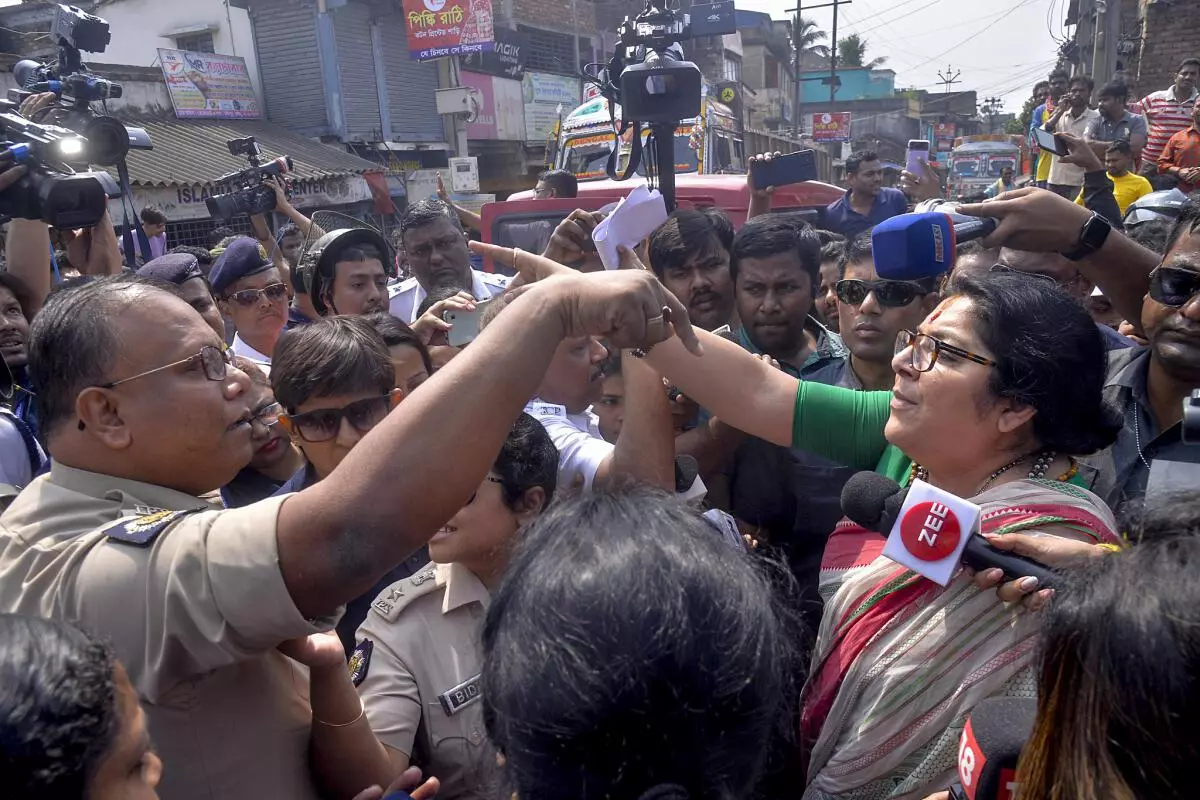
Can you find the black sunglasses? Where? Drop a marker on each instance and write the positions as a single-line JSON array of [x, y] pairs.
[[322, 424], [1174, 286], [248, 297], [892, 294]]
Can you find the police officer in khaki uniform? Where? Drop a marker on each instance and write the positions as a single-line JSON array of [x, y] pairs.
[[417, 662], [142, 413]]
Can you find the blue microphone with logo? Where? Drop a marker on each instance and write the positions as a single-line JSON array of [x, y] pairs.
[[909, 247]]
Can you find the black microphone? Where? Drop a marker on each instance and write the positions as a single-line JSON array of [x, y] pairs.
[[996, 732], [874, 502]]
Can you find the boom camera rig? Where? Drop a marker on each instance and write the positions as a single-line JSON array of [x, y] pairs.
[[247, 193], [74, 30], [649, 78]]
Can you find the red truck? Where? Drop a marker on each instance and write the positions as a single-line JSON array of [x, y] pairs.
[[727, 192]]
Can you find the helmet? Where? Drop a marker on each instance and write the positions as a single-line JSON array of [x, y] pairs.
[[315, 266], [1164, 205]]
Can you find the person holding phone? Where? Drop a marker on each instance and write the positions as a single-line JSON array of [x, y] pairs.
[[1074, 115], [867, 201]]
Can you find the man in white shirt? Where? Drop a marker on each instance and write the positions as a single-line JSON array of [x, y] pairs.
[[1073, 115], [436, 248]]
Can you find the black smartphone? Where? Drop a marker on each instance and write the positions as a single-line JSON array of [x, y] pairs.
[[1048, 141], [784, 170]]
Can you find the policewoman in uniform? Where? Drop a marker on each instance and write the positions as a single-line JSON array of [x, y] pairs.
[[417, 662], [142, 413]]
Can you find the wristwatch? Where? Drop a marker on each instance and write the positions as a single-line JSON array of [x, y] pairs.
[[1092, 237]]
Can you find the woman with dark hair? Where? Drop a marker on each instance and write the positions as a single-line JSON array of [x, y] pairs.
[[409, 354], [1118, 697], [70, 724], [630, 653], [982, 407], [417, 661], [21, 456]]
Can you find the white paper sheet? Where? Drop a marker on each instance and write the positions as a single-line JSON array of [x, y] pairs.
[[637, 216]]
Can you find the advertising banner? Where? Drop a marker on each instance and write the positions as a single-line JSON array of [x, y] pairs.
[[831, 126], [544, 93], [208, 85], [437, 28]]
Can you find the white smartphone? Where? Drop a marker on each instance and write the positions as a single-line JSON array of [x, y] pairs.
[[464, 325]]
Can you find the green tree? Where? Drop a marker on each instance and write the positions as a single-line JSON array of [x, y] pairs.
[[808, 39], [852, 54]]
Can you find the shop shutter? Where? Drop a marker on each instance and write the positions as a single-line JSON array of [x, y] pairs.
[[285, 34], [356, 66], [410, 85]]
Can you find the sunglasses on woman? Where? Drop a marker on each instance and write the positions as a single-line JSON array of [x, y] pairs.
[[891, 294], [1174, 286], [248, 297], [926, 349], [322, 424]]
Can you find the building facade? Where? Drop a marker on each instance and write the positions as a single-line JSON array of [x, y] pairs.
[[1140, 42]]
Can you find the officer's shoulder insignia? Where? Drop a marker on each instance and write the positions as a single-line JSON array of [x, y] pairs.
[[360, 661], [144, 529], [395, 598]]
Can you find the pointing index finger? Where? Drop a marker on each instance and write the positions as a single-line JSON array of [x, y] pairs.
[[682, 325]]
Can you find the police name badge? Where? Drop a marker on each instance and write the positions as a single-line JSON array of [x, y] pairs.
[[456, 699]]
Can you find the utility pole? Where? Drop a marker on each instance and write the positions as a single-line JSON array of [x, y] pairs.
[[832, 51], [991, 107], [949, 79], [798, 125], [1101, 67]]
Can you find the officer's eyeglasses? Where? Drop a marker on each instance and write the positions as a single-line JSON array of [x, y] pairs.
[[322, 424], [890, 294], [1174, 286], [248, 297], [926, 349], [212, 359], [267, 417]]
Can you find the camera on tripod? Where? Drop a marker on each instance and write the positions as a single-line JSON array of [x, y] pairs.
[[653, 84], [52, 189], [247, 192], [74, 30]]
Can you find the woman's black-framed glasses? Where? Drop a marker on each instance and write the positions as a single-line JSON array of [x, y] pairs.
[[214, 360], [890, 294], [1174, 286], [247, 297], [926, 349], [322, 424]]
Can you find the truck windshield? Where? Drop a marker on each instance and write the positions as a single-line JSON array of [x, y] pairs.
[[586, 158], [996, 165], [966, 169]]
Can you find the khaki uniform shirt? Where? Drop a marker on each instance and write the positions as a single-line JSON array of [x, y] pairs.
[[194, 604], [417, 668]]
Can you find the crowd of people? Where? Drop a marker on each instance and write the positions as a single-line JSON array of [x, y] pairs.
[[272, 527]]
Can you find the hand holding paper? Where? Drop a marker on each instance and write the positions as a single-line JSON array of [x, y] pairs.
[[637, 216]]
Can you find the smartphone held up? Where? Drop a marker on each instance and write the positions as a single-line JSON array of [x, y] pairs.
[[784, 170], [917, 156]]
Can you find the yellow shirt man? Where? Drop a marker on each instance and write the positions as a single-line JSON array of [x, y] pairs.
[[1126, 189]]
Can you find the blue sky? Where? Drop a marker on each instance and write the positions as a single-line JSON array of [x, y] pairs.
[[1001, 47]]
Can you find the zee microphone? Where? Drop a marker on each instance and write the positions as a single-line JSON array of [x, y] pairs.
[[922, 245], [996, 732], [931, 531]]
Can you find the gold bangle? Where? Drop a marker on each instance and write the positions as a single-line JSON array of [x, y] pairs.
[[362, 709]]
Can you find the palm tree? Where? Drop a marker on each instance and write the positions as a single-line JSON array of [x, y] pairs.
[[806, 40], [852, 54]]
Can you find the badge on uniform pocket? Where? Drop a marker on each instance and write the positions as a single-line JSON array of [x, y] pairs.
[[456, 699], [360, 661]]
